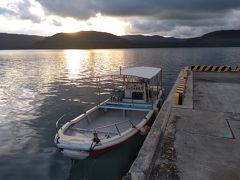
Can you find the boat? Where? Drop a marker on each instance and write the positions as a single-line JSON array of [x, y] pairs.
[[130, 110]]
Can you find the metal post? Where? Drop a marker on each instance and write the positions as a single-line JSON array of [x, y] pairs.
[[161, 81], [99, 100], [148, 90], [111, 98], [153, 85], [123, 82], [152, 91], [118, 130]]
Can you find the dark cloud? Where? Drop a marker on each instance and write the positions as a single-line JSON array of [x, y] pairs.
[[179, 18], [164, 9], [183, 28], [21, 10], [56, 23], [25, 13], [82, 9]]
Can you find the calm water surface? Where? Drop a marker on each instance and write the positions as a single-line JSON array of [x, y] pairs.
[[38, 86]]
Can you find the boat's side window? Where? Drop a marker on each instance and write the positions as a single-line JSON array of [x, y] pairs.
[[137, 95]]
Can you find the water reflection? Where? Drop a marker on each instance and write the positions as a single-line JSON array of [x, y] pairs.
[[109, 166], [75, 62], [38, 86], [89, 63]]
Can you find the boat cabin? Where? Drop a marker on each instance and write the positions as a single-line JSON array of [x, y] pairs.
[[138, 90]]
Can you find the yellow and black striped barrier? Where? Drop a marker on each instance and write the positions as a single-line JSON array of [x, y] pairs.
[[180, 89], [178, 98], [211, 68], [237, 69]]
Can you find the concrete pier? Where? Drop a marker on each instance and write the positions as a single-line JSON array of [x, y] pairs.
[[199, 139]]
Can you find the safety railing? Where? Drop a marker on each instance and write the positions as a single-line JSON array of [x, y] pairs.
[[58, 124], [116, 125]]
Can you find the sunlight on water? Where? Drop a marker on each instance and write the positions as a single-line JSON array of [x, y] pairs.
[[91, 63], [39, 86], [75, 62], [36, 88]]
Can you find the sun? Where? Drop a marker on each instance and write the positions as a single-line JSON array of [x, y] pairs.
[[71, 25], [107, 24], [97, 23]]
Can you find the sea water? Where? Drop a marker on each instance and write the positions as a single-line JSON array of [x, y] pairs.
[[39, 86]]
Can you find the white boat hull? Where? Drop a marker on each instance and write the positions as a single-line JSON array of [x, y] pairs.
[[130, 111], [77, 149]]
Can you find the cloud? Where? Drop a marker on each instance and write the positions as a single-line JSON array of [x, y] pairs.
[[183, 28], [180, 18], [23, 10], [5, 11], [81, 9], [25, 13], [56, 23], [164, 9]]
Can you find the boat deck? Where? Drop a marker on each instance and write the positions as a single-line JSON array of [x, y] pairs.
[[107, 123]]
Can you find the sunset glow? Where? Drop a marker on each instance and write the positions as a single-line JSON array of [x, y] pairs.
[[98, 23], [186, 19], [47, 24]]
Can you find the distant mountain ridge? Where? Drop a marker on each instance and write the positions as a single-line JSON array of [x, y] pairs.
[[152, 41], [148, 39], [103, 40], [83, 40], [224, 38], [18, 41]]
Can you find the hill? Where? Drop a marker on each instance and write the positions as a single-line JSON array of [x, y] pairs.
[[224, 38], [152, 41], [102, 40], [18, 41], [83, 40]]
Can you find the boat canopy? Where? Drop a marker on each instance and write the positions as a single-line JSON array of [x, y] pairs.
[[141, 72]]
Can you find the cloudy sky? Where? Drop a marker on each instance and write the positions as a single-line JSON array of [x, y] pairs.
[[178, 18]]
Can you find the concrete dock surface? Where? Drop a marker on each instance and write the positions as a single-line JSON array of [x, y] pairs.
[[199, 139]]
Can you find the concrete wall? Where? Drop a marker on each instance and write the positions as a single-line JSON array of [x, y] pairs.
[[142, 166]]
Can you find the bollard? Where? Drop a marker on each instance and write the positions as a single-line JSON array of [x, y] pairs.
[[237, 69], [178, 98]]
